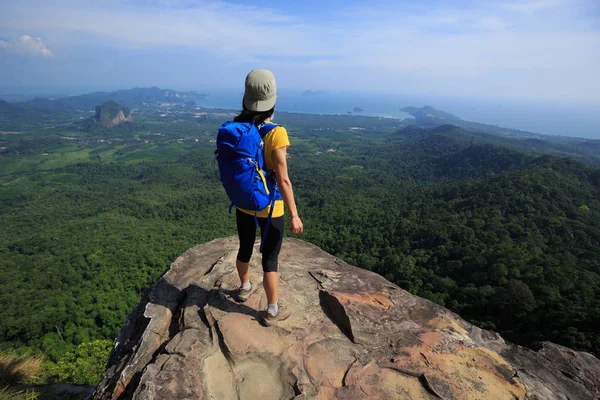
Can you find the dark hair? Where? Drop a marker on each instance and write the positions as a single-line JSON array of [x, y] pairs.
[[258, 117]]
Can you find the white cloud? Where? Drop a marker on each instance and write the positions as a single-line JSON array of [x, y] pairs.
[[26, 45], [33, 46], [218, 26]]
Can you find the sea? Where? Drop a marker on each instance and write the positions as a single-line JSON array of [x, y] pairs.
[[537, 117]]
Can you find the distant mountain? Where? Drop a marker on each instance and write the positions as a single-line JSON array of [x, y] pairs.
[[15, 117], [309, 93], [135, 97], [478, 161], [9, 110], [583, 149], [429, 117], [450, 125], [430, 114], [110, 114]]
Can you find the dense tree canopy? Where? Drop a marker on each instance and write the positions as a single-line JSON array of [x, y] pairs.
[[509, 240]]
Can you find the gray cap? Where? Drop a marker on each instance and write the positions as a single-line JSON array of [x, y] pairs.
[[261, 91]]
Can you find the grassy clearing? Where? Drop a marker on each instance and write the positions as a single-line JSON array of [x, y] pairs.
[[16, 164], [156, 153], [59, 160], [20, 163], [110, 155], [6, 393], [16, 369], [12, 183], [304, 145], [107, 153]]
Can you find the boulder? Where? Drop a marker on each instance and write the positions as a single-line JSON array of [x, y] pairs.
[[352, 335]]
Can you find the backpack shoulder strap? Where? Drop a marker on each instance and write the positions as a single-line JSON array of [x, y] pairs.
[[265, 128]]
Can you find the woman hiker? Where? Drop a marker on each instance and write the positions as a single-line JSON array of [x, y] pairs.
[[258, 107]]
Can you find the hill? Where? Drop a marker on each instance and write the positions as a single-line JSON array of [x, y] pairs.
[[352, 334], [110, 114], [583, 149], [16, 117]]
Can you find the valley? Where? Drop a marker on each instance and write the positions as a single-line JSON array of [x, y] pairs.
[[500, 230]]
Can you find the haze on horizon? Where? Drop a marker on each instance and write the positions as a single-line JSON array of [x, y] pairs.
[[540, 50]]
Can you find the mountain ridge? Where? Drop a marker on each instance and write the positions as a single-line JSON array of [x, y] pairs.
[[129, 97], [587, 150]]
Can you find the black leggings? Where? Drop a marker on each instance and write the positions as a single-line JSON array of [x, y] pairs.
[[246, 227]]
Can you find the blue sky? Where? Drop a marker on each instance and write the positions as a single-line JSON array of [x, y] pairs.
[[533, 49]]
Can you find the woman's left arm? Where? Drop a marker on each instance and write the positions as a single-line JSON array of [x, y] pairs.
[[285, 187]]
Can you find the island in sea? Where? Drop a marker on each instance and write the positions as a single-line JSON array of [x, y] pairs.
[[309, 93]]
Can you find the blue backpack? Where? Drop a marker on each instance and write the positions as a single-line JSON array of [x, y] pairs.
[[240, 156]]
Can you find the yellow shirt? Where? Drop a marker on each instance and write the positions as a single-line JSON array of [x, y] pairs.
[[276, 139]]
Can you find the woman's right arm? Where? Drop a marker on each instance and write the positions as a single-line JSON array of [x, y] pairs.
[[285, 187]]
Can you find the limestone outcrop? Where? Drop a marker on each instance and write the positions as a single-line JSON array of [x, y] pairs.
[[110, 114], [352, 335]]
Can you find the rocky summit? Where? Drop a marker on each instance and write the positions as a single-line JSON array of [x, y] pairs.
[[110, 114], [352, 335]]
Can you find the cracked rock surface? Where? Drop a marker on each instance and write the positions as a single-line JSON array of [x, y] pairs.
[[352, 335]]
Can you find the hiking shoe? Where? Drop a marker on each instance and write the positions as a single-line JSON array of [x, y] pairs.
[[242, 295], [283, 313]]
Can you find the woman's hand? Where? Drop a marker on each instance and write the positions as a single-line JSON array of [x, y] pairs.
[[297, 226]]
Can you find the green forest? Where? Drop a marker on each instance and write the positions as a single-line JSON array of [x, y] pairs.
[[506, 236]]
